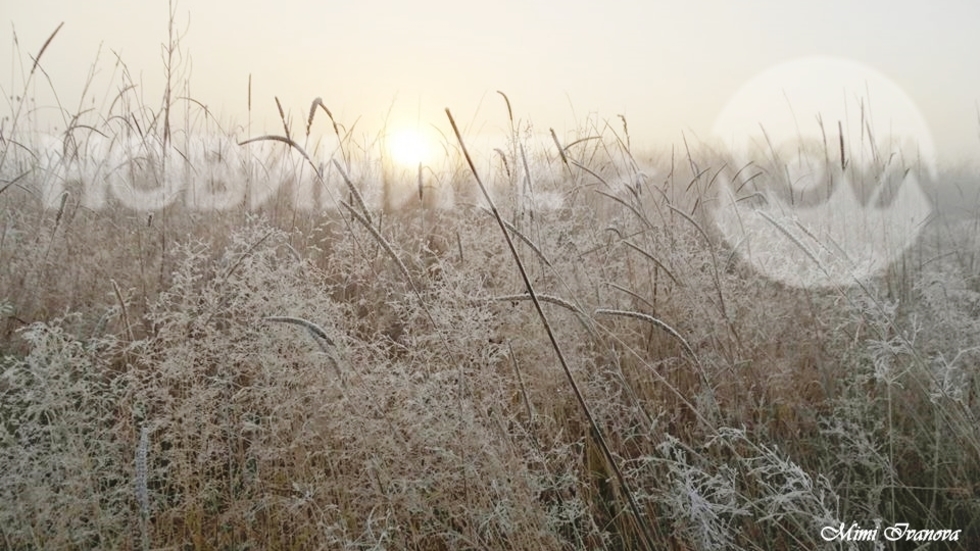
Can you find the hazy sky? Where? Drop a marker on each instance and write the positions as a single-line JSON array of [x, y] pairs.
[[669, 67]]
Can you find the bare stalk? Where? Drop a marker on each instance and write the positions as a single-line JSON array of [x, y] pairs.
[[645, 533]]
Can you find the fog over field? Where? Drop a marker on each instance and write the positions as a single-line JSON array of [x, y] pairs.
[[668, 67]]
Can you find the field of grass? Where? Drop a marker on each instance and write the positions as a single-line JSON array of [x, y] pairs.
[[581, 364]]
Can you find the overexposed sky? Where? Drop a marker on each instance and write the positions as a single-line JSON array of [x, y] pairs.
[[669, 67]]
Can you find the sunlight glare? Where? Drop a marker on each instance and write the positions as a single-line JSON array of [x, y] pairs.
[[409, 147]]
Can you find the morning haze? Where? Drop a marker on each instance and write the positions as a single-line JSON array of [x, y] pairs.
[[668, 67]]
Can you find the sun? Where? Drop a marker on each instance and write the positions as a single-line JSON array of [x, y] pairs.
[[408, 148]]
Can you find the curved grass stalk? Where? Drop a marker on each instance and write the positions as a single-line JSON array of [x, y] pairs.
[[646, 536]]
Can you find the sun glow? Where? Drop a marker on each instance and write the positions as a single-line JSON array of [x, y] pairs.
[[408, 148]]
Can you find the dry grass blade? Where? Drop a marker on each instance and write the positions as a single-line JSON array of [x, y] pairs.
[[652, 320], [122, 306], [282, 117], [585, 320], [643, 218], [529, 243], [510, 112], [789, 235], [520, 146], [693, 222], [626, 132], [581, 140], [231, 269], [142, 491], [363, 220], [333, 122], [646, 537], [635, 296], [543, 298], [23, 95], [61, 211], [714, 270], [592, 173], [528, 408], [288, 141], [653, 259], [503, 158], [319, 335], [313, 328], [309, 118], [356, 194], [561, 150], [381, 241], [840, 134], [37, 58], [14, 181]]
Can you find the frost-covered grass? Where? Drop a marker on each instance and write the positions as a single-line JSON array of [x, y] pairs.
[[272, 376]]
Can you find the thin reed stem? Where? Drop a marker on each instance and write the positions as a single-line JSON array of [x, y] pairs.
[[646, 536]]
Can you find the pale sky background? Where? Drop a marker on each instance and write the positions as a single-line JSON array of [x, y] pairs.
[[669, 67]]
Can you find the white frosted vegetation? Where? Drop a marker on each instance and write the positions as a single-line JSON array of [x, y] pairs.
[[614, 374]]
